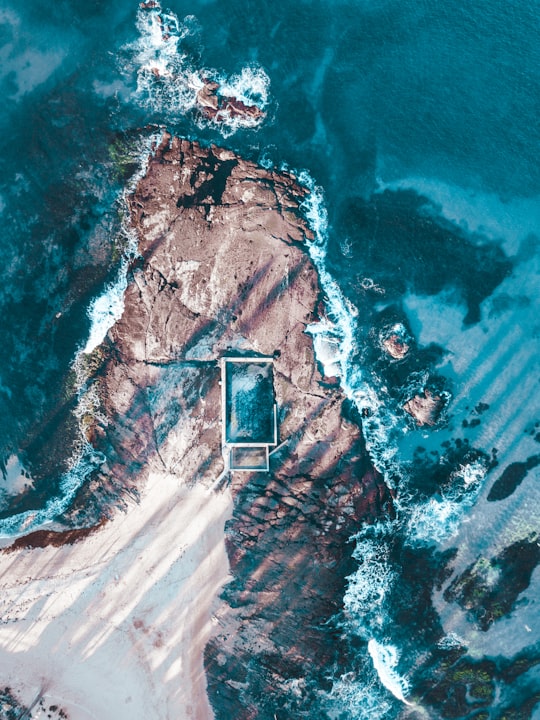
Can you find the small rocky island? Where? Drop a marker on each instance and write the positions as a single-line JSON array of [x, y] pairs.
[[223, 270]]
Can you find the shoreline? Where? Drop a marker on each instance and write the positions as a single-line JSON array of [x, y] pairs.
[[129, 610]]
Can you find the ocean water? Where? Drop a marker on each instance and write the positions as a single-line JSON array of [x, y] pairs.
[[415, 124]]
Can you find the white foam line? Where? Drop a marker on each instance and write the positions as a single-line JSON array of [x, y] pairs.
[[103, 311], [86, 460], [385, 659], [439, 518], [433, 521], [106, 309], [380, 423]]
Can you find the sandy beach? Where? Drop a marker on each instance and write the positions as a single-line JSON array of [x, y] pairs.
[[115, 627]]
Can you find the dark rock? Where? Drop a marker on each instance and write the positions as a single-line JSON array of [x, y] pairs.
[[426, 408], [220, 108], [488, 589], [511, 477]]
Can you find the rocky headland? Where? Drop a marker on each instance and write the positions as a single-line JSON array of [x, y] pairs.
[[223, 270]]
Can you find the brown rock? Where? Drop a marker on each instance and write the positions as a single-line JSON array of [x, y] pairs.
[[220, 109], [236, 108], [395, 341], [395, 347], [426, 408], [222, 269], [207, 98]]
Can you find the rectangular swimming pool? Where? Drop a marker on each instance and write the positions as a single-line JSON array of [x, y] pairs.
[[249, 403]]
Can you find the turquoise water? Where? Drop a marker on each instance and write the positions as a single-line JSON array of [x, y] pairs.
[[418, 124]]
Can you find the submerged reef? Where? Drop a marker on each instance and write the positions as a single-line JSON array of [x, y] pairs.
[[489, 588]]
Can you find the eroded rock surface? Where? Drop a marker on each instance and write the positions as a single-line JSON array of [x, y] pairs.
[[223, 269], [215, 107], [425, 408]]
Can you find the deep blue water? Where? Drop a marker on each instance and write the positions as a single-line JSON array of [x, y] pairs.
[[418, 124]]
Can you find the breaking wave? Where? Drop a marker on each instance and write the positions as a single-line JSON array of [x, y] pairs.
[[338, 331], [370, 586], [361, 698], [103, 312], [83, 465], [439, 517], [251, 86], [106, 309], [385, 659], [421, 521], [169, 78]]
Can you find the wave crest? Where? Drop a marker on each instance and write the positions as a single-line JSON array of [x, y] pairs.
[[385, 660]]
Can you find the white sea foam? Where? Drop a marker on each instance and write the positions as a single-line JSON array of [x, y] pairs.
[[82, 465], [374, 692], [361, 698], [450, 642], [103, 312], [340, 331], [107, 308], [379, 423], [326, 345], [439, 518], [385, 660], [435, 521], [165, 80], [369, 587], [168, 79], [84, 461], [251, 86]]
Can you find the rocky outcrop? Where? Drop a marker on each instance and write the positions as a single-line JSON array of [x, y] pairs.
[[223, 269], [489, 588], [209, 100], [279, 641], [395, 341], [425, 408], [215, 107]]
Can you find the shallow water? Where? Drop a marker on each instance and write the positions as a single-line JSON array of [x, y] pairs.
[[417, 122]]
